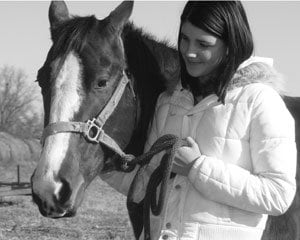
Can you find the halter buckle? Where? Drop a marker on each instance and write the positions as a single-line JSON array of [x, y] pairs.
[[93, 131]]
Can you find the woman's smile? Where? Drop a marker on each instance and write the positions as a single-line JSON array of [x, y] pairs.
[[193, 66]]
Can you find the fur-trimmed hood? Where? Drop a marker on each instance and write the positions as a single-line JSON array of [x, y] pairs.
[[258, 70]]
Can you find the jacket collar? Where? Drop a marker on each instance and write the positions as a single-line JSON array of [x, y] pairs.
[[184, 99], [207, 102]]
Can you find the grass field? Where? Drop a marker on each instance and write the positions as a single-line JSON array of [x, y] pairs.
[[102, 216]]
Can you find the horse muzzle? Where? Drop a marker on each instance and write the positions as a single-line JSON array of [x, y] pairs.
[[56, 199]]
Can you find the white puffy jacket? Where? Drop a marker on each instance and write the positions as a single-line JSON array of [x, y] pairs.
[[247, 168]]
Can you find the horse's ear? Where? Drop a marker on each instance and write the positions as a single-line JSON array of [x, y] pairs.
[[120, 15], [58, 12]]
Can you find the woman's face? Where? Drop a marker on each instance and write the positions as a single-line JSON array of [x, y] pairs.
[[202, 52]]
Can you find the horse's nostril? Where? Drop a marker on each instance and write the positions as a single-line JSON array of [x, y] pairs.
[[64, 193]]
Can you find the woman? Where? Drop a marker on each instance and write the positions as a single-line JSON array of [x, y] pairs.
[[240, 164]]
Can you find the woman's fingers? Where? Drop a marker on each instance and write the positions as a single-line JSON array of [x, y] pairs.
[[192, 143]]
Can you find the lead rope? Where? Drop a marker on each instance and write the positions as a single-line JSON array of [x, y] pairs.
[[161, 174]]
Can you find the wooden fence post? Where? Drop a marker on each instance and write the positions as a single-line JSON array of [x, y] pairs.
[[18, 172]]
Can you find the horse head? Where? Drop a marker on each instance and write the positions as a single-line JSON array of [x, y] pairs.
[[84, 69]]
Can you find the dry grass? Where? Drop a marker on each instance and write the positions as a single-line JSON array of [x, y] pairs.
[[103, 215]]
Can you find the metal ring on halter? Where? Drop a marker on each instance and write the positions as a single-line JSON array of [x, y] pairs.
[[90, 133]]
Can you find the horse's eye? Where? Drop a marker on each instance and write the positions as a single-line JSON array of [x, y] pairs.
[[101, 84]]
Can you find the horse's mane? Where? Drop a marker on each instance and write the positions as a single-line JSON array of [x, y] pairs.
[[155, 66]]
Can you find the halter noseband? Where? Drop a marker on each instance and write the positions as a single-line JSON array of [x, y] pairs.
[[92, 129]]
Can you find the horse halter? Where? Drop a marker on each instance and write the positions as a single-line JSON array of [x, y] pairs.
[[92, 129]]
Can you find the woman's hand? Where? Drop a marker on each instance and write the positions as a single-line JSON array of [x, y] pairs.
[[185, 157]]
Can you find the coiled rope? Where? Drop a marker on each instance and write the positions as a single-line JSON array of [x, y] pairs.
[[169, 143]]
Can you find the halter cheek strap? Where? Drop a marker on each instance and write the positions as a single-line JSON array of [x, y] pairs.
[[92, 129]]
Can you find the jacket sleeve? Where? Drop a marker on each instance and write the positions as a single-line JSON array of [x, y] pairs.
[[121, 181], [270, 187]]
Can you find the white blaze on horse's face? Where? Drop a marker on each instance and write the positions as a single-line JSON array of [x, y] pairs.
[[65, 103], [66, 90]]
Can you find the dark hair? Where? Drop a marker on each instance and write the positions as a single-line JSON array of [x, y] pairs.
[[226, 20]]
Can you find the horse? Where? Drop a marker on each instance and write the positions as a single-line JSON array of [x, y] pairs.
[[106, 66], [100, 82]]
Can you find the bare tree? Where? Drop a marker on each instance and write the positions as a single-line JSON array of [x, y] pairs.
[[18, 104]]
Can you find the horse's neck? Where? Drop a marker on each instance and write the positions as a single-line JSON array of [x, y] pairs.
[[153, 65]]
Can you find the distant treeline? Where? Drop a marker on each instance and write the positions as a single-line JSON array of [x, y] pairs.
[[20, 104], [14, 151]]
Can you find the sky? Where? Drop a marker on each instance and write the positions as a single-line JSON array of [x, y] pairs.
[[25, 38]]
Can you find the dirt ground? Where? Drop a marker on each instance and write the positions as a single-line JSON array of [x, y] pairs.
[[102, 216]]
